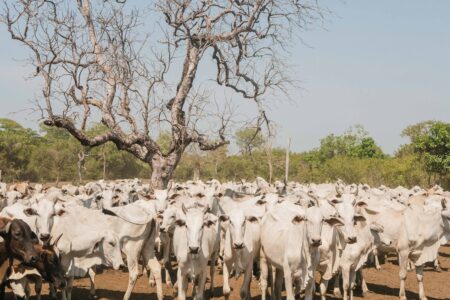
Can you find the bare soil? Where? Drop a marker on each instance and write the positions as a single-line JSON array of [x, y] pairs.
[[383, 284]]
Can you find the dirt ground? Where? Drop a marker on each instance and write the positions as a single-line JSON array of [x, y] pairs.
[[383, 284]]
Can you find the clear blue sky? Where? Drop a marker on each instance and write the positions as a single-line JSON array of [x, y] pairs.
[[384, 64]]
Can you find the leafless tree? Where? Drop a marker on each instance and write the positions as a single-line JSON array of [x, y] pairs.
[[97, 61]]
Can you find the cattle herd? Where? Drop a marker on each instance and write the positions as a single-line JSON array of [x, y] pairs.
[[279, 234]]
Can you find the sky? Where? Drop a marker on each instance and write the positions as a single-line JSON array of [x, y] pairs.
[[383, 64]]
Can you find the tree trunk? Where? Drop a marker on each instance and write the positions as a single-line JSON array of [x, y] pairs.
[[104, 162], [162, 170], [81, 157]]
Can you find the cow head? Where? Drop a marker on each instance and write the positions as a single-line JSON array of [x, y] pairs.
[[346, 211], [314, 220], [109, 246], [49, 265], [238, 222], [193, 219], [168, 219], [45, 211], [19, 240]]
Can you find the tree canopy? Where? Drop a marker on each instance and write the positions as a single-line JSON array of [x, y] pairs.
[[51, 154]]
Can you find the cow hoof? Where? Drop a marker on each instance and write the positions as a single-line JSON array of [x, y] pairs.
[[378, 268], [93, 297], [438, 269], [152, 283], [366, 293], [337, 293], [169, 284]]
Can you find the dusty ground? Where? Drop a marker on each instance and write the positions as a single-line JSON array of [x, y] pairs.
[[383, 284]]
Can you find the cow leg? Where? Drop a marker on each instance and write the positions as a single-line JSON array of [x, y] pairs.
[[419, 275], [201, 285], [337, 288], [352, 282], [212, 270], [323, 288], [278, 284], [288, 282], [245, 288], [38, 287], [53, 293], [364, 288], [149, 256], [309, 290], [133, 272], [182, 285], [69, 287], [155, 267], [377, 260], [403, 265], [264, 275], [226, 278], [166, 263], [91, 273], [346, 280]]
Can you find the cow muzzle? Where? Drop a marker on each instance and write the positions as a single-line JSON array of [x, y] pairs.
[[316, 242], [194, 250], [238, 246], [45, 237]]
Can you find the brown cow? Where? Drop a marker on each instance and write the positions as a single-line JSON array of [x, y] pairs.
[[48, 268], [19, 242]]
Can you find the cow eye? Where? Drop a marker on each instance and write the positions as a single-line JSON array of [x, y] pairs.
[[112, 244]]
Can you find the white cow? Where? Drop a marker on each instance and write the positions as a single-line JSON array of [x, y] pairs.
[[241, 244], [290, 236], [354, 256], [195, 241], [416, 233], [85, 242]]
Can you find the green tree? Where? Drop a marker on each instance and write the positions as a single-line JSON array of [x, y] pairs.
[[16, 145], [433, 146], [249, 139]]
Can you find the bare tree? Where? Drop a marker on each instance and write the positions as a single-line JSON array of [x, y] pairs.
[[96, 61]]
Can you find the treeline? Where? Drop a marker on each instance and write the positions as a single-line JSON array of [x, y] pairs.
[[52, 155]]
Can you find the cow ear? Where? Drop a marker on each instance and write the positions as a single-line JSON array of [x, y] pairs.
[[261, 201], [360, 203], [150, 196], [359, 218], [208, 223], [334, 201], [298, 219], [180, 222], [252, 219], [30, 212], [333, 221], [60, 212], [5, 223], [224, 218], [174, 196]]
